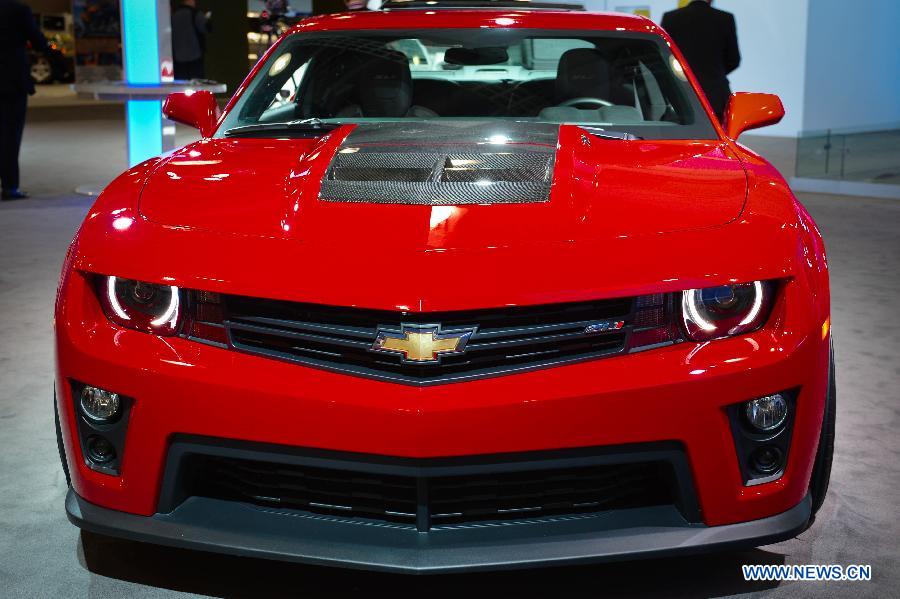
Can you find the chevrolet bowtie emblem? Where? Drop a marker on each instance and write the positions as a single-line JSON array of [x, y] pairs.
[[421, 343]]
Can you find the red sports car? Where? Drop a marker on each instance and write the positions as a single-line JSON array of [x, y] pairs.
[[451, 289]]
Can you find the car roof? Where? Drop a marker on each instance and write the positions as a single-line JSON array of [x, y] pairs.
[[478, 18]]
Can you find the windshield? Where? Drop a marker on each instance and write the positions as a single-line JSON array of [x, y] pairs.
[[627, 82]]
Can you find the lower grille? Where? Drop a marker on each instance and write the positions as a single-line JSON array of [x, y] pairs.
[[569, 491], [426, 501], [384, 497]]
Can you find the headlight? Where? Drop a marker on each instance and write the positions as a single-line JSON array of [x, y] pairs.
[[727, 310], [141, 306]]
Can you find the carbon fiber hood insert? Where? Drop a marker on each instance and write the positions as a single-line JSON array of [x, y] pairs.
[[443, 164]]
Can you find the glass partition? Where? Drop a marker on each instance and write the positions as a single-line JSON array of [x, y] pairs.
[[851, 155]]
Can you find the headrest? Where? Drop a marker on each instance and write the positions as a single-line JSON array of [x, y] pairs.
[[385, 86], [582, 73]]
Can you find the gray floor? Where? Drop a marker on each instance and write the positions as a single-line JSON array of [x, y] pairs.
[[41, 555]]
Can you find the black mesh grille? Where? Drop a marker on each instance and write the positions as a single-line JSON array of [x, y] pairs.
[[379, 496], [504, 339], [439, 500], [569, 491]]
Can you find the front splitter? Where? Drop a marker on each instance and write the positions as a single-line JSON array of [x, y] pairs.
[[241, 529]]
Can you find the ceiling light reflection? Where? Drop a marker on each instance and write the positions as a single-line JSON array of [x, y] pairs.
[[440, 214]]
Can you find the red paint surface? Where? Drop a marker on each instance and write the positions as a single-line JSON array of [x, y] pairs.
[[624, 218]]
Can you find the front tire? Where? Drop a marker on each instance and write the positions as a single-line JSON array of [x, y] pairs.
[[59, 442], [821, 474]]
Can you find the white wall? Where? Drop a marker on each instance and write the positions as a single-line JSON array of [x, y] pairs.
[[852, 65], [772, 35]]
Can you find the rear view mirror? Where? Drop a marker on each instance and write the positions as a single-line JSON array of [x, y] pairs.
[[751, 111], [197, 109], [475, 57]]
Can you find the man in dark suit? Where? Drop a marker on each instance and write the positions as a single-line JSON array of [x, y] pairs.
[[17, 29], [708, 39], [189, 30]]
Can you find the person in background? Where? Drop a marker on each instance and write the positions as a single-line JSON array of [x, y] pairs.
[[708, 39], [189, 30], [17, 30]]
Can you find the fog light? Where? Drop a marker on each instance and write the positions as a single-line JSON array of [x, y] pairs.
[[766, 460], [767, 413], [100, 405], [100, 450]]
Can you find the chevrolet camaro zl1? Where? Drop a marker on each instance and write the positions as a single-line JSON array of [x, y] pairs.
[[443, 290]]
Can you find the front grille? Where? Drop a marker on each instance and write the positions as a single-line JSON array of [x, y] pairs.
[[504, 339], [431, 501]]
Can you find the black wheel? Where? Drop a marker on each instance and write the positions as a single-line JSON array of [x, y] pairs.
[[59, 442], [821, 475]]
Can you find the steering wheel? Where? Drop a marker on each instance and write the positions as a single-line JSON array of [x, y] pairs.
[[586, 100]]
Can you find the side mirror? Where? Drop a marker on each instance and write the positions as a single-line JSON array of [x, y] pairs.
[[751, 111], [197, 109]]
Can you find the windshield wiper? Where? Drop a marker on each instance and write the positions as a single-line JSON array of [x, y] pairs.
[[608, 134], [314, 127]]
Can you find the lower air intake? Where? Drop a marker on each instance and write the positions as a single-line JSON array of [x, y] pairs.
[[436, 500]]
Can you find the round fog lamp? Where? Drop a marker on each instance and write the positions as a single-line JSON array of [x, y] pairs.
[[100, 450], [100, 405], [766, 460], [767, 413]]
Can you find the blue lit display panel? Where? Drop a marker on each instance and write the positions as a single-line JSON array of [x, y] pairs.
[[144, 121], [140, 33], [141, 42]]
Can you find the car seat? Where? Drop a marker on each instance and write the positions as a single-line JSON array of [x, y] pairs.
[[384, 88]]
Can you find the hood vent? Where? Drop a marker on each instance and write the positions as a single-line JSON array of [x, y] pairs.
[[476, 171]]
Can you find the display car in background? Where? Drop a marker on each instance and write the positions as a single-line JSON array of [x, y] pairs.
[[450, 289], [58, 65]]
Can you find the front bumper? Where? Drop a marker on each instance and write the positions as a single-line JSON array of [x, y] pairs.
[[678, 394], [240, 529]]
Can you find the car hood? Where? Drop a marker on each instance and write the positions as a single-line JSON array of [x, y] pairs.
[[427, 187]]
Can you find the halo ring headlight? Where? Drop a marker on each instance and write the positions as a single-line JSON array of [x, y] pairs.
[[726, 310], [147, 307]]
